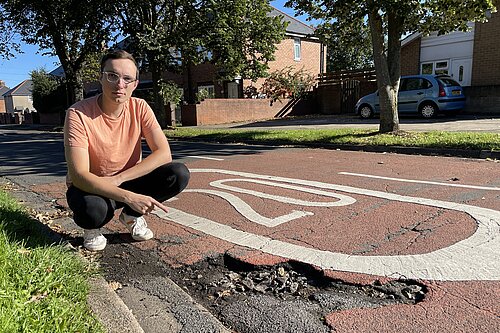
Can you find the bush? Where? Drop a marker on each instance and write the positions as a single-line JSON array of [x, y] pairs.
[[171, 92], [288, 83]]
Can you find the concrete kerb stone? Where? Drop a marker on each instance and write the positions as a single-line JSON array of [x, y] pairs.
[[110, 309]]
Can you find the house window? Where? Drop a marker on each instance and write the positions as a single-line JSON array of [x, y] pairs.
[[296, 49], [210, 90], [441, 68], [435, 68], [427, 68]]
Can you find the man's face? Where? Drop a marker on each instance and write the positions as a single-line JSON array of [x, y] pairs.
[[119, 72]]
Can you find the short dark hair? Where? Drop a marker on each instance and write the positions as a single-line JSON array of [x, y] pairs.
[[118, 54]]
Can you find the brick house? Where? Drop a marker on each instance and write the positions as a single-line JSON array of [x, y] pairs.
[[471, 58], [3, 90], [299, 49], [18, 99]]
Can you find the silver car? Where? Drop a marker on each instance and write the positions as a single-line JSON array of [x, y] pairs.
[[426, 95]]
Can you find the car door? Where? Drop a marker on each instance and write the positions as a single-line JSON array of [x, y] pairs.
[[412, 91]]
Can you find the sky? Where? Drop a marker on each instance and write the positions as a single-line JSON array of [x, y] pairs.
[[16, 70]]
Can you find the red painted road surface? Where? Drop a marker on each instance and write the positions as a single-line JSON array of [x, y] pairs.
[[359, 232]]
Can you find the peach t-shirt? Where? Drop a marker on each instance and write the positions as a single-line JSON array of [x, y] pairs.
[[113, 144]]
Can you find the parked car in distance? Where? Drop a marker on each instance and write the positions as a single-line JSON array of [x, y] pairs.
[[426, 95]]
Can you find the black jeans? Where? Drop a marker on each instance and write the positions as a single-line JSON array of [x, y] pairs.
[[91, 211]]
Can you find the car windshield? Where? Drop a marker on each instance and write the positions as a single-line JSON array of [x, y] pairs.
[[448, 82]]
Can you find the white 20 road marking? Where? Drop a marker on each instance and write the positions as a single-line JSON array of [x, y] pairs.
[[474, 258], [244, 209]]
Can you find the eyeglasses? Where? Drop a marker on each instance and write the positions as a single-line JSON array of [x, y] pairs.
[[112, 77]]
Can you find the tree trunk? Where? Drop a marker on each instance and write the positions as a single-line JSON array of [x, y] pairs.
[[74, 86], [387, 88], [159, 104], [191, 97]]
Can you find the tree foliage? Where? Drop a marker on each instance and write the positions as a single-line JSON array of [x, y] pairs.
[[347, 51], [236, 35], [388, 21], [47, 92], [69, 29]]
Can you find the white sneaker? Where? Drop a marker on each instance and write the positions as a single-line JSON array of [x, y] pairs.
[[93, 240], [137, 226]]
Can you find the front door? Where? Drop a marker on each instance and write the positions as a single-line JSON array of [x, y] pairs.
[[232, 90], [461, 71]]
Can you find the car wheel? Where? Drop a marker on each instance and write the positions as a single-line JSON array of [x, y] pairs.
[[428, 110], [365, 111]]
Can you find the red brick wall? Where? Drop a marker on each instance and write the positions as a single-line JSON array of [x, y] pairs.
[[410, 58], [223, 111], [486, 60]]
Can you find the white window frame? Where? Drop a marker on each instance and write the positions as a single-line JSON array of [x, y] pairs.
[[297, 49], [210, 88], [435, 70]]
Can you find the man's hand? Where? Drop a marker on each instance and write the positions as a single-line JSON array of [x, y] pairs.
[[144, 204]]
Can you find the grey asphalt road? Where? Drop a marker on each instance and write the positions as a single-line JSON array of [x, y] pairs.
[[37, 157], [34, 155]]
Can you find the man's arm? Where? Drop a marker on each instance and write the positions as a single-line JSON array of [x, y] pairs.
[[79, 170], [160, 155]]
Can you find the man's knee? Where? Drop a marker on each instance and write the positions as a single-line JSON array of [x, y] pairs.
[[182, 175], [176, 176], [89, 211]]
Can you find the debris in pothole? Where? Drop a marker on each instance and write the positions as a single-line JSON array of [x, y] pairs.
[[219, 278]]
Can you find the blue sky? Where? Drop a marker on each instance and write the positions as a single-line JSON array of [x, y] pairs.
[[14, 71]]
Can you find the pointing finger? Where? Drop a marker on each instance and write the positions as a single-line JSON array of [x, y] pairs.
[[161, 206]]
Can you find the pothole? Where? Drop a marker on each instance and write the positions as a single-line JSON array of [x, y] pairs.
[[257, 298]]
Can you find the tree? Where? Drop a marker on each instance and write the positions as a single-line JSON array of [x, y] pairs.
[[47, 92], [72, 30], [237, 36], [388, 21]]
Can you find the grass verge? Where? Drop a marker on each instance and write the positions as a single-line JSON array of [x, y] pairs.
[[43, 287], [432, 139]]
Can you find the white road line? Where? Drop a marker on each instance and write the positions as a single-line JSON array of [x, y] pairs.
[[31, 141], [207, 158], [421, 181], [474, 258]]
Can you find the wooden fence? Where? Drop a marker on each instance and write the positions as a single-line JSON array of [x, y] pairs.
[[338, 92]]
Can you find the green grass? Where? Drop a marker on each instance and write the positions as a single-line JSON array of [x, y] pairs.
[[43, 288], [433, 139]]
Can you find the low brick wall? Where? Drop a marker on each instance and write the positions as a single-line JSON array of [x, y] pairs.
[[11, 118], [482, 100], [51, 119], [223, 111]]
